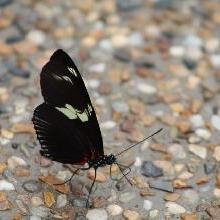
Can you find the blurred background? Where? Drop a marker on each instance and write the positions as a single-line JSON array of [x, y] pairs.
[[147, 64]]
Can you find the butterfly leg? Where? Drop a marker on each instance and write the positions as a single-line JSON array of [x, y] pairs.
[[75, 172], [90, 190], [124, 175]]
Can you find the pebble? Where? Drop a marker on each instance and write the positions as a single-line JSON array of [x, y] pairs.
[[121, 107], [215, 120], [161, 185], [98, 68], [203, 133], [197, 121], [114, 210], [190, 196], [5, 185], [150, 170], [126, 197], [174, 208], [209, 166], [108, 125], [146, 88], [97, 214], [37, 37], [15, 161], [34, 217], [147, 205], [216, 192], [154, 214], [61, 201], [131, 215], [32, 186], [100, 177], [64, 175], [36, 201], [198, 150], [42, 212], [216, 153], [177, 151]]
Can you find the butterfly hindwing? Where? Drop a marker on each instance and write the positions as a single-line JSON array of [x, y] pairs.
[[66, 124]]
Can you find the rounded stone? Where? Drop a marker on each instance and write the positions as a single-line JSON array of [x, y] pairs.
[[97, 214], [114, 210], [32, 186]]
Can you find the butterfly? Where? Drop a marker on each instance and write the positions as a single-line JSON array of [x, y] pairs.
[[65, 123]]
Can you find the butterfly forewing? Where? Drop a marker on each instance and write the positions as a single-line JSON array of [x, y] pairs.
[[66, 124]]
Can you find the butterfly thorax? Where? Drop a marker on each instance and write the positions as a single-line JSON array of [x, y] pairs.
[[102, 161]]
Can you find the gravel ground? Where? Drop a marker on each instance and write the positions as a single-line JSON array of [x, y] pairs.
[[147, 64]]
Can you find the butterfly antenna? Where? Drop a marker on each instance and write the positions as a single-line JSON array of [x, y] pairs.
[[133, 145]]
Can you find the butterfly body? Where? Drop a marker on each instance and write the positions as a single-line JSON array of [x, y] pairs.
[[103, 161]]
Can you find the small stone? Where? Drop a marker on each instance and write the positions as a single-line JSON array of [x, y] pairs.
[[114, 210], [126, 197], [17, 216], [147, 205], [6, 134], [32, 186], [34, 217], [108, 125], [22, 206], [203, 133], [105, 88], [202, 180], [97, 214], [64, 175], [5, 205], [167, 167], [23, 128], [185, 175], [146, 89], [180, 184], [15, 161], [214, 212], [150, 170], [43, 161], [3, 167], [49, 199], [216, 192], [177, 151], [174, 208], [98, 68], [187, 216], [131, 215], [22, 172], [5, 49], [154, 214], [36, 201], [198, 150], [5, 185], [215, 120], [161, 185], [140, 182], [190, 196], [216, 153], [197, 121], [172, 197], [53, 181], [121, 107], [209, 166], [99, 202], [100, 177], [36, 36], [42, 212]]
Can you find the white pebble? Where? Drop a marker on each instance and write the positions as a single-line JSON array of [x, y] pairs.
[[203, 133], [197, 121], [36, 36], [217, 192], [147, 205], [108, 125], [14, 162], [146, 88], [198, 150], [215, 60], [174, 208], [216, 153], [114, 210], [98, 68], [177, 51], [177, 151], [5, 185], [61, 200], [137, 162], [215, 120], [97, 214]]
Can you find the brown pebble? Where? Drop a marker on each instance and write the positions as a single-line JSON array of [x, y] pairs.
[[146, 192], [99, 202], [180, 184], [202, 180], [23, 128], [3, 167], [105, 88], [100, 177], [49, 199], [17, 216], [131, 215], [22, 172], [186, 216], [172, 197]]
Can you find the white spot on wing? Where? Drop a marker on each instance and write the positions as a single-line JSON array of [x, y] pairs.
[[72, 71], [67, 79], [73, 113]]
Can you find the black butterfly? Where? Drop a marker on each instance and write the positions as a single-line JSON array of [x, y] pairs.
[[66, 123]]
